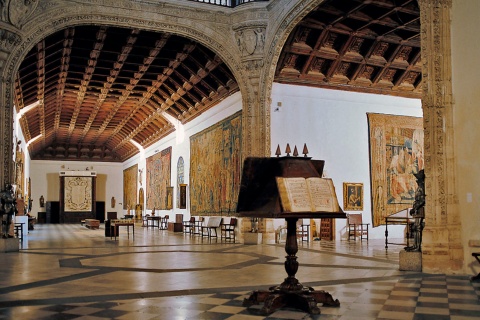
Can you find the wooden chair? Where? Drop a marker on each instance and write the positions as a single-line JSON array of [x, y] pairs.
[[227, 230], [197, 228], [164, 222], [303, 229], [356, 227], [212, 224], [189, 225], [145, 220]]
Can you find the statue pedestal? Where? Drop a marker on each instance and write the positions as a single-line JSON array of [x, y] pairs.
[[252, 238], [10, 245], [410, 261]]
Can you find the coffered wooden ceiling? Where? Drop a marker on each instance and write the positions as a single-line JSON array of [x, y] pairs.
[[87, 92], [358, 45]]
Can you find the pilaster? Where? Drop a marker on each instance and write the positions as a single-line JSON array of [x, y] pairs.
[[442, 247]]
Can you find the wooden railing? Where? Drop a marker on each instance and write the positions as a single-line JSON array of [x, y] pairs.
[[228, 3]]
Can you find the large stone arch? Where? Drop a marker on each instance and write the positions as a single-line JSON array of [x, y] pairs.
[[279, 29], [211, 28]]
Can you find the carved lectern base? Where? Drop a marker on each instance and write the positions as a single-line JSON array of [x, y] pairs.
[[305, 299], [291, 293]]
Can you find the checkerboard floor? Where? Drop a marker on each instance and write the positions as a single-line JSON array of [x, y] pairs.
[[70, 272]]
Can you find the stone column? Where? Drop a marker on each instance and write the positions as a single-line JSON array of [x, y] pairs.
[[442, 249], [250, 38], [6, 112]]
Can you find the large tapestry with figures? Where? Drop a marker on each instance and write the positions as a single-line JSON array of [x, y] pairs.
[[215, 167], [159, 168], [130, 187], [396, 153]]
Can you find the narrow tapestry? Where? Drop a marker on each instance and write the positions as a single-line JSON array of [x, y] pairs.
[[130, 187], [215, 167], [159, 168]]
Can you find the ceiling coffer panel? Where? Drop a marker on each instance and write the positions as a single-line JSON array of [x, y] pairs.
[[86, 92]]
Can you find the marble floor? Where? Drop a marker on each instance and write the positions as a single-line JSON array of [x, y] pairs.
[[71, 272]]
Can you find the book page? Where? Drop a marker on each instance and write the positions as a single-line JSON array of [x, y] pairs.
[[294, 194], [323, 194]]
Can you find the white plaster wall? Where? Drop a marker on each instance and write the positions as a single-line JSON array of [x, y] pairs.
[[334, 126], [466, 114], [45, 181]]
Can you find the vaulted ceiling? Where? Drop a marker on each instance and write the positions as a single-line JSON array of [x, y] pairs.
[[87, 92]]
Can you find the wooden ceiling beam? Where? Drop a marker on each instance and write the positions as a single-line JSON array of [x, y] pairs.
[[89, 69], [187, 49]]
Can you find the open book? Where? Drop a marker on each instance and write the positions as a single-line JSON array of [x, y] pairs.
[[307, 194]]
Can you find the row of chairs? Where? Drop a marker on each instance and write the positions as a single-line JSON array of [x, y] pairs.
[[198, 226]]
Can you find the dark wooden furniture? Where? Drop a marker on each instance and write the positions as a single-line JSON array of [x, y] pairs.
[[52, 212], [111, 215], [144, 220], [327, 227], [41, 217], [152, 219], [116, 224], [92, 223], [109, 228], [197, 229], [259, 197], [227, 230], [210, 228], [401, 217], [356, 227], [100, 211], [189, 225], [175, 226], [476, 255], [164, 222]]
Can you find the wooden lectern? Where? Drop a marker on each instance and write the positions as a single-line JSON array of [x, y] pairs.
[[259, 197]]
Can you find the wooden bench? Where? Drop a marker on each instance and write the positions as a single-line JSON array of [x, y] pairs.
[[212, 225], [92, 223]]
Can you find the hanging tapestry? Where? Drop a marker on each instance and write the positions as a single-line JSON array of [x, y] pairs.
[[159, 167], [130, 187], [180, 179], [215, 167], [396, 153], [78, 194]]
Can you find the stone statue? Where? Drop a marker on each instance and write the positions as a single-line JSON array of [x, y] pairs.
[[7, 209], [418, 212]]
